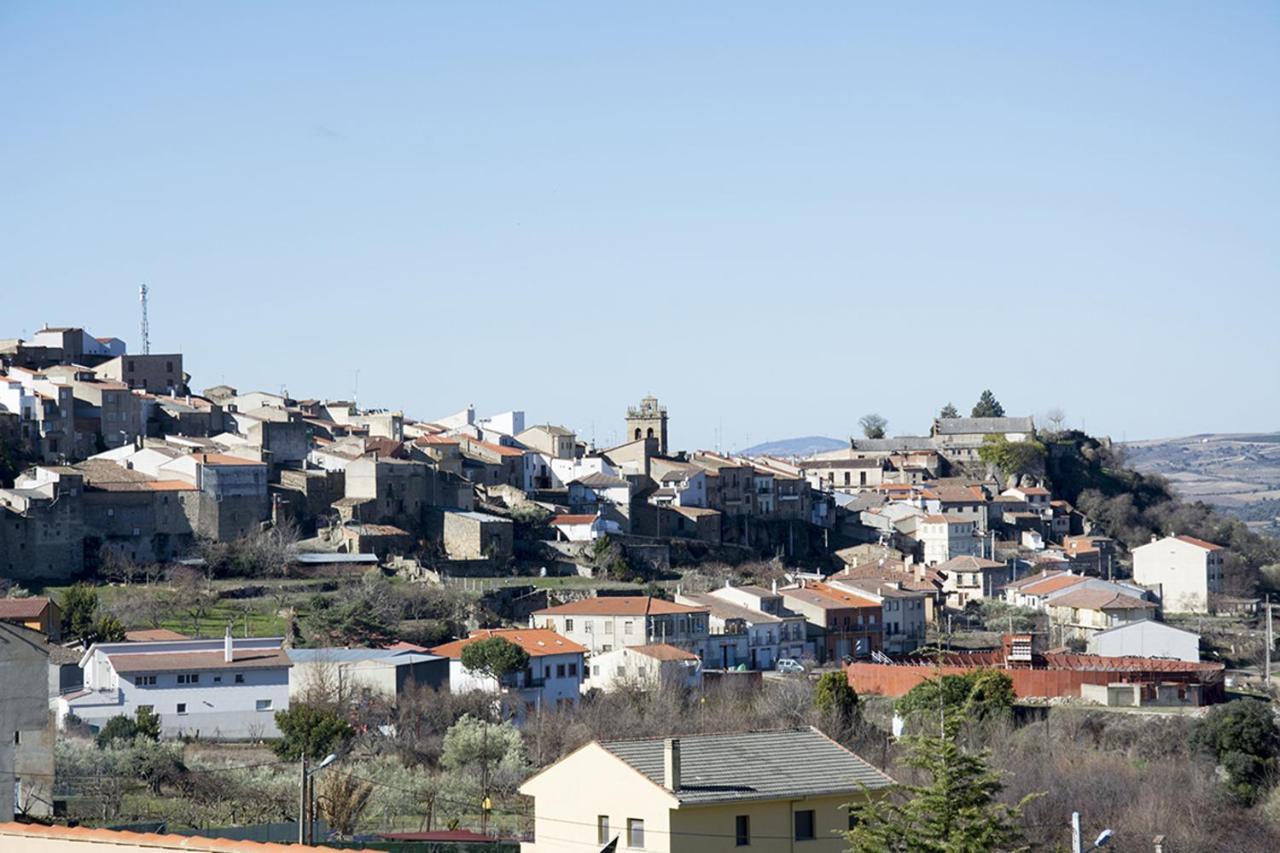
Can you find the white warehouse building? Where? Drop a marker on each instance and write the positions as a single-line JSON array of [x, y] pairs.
[[217, 689]]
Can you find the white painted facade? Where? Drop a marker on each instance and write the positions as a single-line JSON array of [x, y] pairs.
[[220, 702], [1146, 639], [945, 537], [631, 667], [1183, 573]]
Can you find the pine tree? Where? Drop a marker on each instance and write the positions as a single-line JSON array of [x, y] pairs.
[[956, 811], [988, 406], [949, 411]]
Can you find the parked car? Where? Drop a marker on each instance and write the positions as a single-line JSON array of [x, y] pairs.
[[789, 665]]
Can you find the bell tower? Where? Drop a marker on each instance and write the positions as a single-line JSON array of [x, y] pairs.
[[648, 420]]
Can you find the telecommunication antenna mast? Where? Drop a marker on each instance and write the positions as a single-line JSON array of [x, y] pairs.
[[146, 327]]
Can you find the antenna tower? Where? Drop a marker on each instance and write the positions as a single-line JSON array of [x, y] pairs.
[[146, 326]]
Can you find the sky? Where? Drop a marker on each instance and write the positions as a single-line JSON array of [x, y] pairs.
[[775, 217]]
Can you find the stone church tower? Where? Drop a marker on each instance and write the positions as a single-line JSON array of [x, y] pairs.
[[648, 420]]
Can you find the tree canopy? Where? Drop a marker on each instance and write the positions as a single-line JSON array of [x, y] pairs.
[[1243, 738], [873, 425], [1013, 457], [311, 731], [79, 606], [954, 811], [494, 657], [834, 693], [980, 694], [987, 406], [949, 411]]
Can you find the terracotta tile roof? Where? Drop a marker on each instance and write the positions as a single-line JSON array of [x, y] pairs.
[[501, 450], [170, 486], [949, 519], [538, 642], [663, 651], [436, 439], [827, 597], [1052, 584], [224, 459], [1199, 543], [11, 835], [619, 605], [969, 564], [125, 662], [23, 608], [572, 519], [1100, 599]]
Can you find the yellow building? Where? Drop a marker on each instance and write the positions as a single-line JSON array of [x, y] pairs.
[[770, 791]]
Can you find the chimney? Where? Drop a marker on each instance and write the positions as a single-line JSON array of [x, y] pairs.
[[671, 764], [775, 586], [228, 655]]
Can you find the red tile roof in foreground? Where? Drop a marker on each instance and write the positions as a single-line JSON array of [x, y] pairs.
[[538, 642], [84, 838]]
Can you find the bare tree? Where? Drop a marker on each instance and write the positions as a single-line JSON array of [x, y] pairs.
[[873, 425]]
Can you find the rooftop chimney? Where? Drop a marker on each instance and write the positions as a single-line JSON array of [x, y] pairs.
[[228, 655], [775, 586], [671, 764]]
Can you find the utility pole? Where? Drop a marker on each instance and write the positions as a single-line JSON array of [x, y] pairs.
[[302, 800], [1266, 671], [1076, 847]]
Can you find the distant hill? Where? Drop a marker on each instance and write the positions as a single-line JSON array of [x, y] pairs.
[[1237, 472], [804, 446]]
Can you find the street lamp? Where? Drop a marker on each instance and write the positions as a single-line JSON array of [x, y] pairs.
[[1102, 840], [306, 799]]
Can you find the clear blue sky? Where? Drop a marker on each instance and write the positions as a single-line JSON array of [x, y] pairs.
[[777, 217]]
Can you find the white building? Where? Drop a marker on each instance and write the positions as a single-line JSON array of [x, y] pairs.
[[764, 637], [1146, 639], [1182, 570], [584, 528], [946, 537], [217, 689], [650, 667], [606, 622], [553, 677], [343, 672]]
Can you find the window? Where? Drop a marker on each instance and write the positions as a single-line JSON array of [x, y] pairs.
[[262, 705], [217, 679], [573, 670], [628, 626], [853, 820], [602, 829], [804, 825], [145, 680], [742, 829], [568, 625], [559, 670], [182, 707], [635, 832], [608, 627], [188, 678]]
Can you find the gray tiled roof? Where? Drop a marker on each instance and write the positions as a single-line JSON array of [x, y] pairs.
[[969, 426], [754, 765]]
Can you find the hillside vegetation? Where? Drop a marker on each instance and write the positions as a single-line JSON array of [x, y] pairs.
[[1131, 507]]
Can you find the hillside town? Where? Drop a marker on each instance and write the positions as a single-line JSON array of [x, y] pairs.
[[215, 569]]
